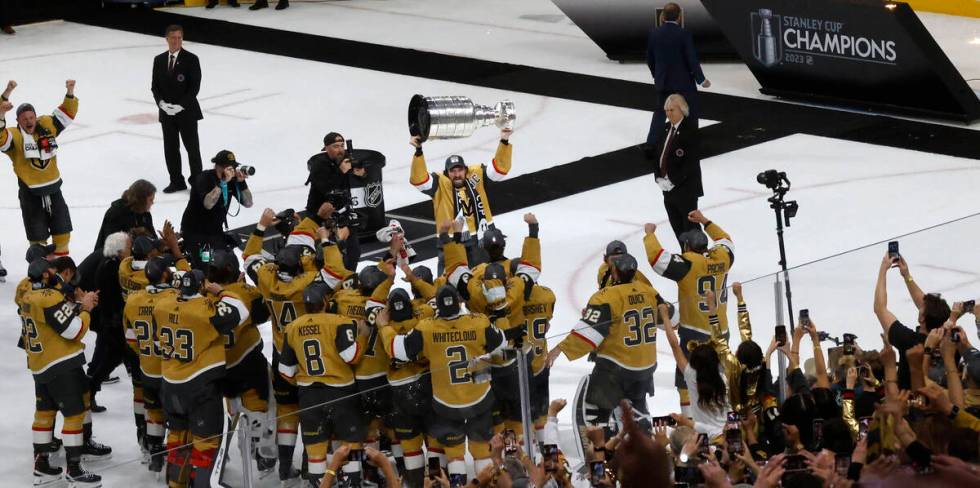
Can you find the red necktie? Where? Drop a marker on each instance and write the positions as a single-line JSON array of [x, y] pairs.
[[663, 155]]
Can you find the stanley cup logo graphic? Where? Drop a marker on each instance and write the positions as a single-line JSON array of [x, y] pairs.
[[765, 42]]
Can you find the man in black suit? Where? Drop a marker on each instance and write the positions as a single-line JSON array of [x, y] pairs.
[[674, 65], [678, 165], [176, 81]]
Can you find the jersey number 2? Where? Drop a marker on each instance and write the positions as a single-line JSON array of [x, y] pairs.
[[458, 373]]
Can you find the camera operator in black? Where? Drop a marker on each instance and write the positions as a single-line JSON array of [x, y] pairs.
[[330, 181], [206, 215]]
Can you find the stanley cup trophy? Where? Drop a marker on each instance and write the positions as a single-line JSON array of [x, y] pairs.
[[455, 117], [766, 42]]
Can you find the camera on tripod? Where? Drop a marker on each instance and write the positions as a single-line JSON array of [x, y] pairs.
[[774, 180], [779, 184]]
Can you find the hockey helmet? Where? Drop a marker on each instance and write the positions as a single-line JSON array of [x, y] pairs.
[[223, 267], [38, 251], [495, 271], [694, 240], [142, 247], [315, 293], [399, 305], [37, 268], [423, 273], [448, 301], [289, 259], [615, 248], [369, 278], [494, 241], [191, 282], [157, 267], [625, 265]]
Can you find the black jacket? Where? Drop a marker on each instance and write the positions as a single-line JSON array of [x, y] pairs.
[[198, 220], [683, 160], [118, 218], [86, 272], [179, 87], [672, 59], [325, 178], [110, 295]]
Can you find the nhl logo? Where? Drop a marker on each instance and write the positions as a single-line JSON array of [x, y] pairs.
[[372, 194], [180, 77], [767, 34]]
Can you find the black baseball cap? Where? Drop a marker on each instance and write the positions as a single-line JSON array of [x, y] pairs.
[[225, 158], [38, 251], [454, 161], [333, 138]]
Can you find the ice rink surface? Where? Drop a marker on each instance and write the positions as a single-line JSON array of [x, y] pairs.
[[273, 111]]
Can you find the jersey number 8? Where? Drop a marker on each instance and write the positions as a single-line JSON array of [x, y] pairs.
[[314, 361]]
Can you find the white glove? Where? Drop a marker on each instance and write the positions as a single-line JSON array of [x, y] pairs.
[[176, 108], [167, 108], [665, 184]]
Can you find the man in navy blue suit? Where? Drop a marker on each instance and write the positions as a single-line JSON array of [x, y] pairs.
[[675, 69]]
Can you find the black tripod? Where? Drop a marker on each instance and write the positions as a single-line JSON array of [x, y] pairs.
[[785, 210]]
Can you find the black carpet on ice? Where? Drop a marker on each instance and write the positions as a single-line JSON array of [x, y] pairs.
[[744, 122]]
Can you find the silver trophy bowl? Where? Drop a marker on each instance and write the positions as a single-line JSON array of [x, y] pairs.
[[455, 117]]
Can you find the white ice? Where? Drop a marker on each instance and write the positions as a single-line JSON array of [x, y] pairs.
[[273, 111]]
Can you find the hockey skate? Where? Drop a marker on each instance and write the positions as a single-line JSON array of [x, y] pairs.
[[93, 452], [78, 477], [44, 473]]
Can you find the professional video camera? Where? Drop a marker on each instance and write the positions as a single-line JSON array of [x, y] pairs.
[[354, 162], [343, 215]]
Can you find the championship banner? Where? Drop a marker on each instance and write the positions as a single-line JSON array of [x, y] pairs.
[[860, 53]]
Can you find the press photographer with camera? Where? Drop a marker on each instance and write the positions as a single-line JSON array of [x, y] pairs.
[[331, 172], [206, 215]]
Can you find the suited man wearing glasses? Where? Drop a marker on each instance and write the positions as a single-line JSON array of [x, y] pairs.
[[176, 82]]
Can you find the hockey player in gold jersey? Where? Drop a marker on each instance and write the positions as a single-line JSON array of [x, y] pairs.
[[411, 387], [138, 323], [615, 248], [190, 332], [246, 381], [620, 325], [32, 147], [53, 328], [493, 290], [538, 309], [461, 403], [696, 270], [281, 283], [131, 274], [318, 352]]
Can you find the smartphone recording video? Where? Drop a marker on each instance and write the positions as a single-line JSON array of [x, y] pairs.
[[781, 335], [805, 318]]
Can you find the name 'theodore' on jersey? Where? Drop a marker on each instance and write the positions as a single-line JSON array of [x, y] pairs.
[[620, 325], [321, 348], [52, 330], [190, 332], [449, 345]]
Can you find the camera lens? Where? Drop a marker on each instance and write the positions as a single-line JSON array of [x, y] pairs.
[[248, 170]]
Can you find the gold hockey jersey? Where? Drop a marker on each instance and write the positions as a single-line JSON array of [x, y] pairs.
[[138, 323], [36, 161], [132, 274], [245, 338], [52, 330], [354, 306], [696, 273], [470, 200], [321, 348], [538, 310], [450, 345], [620, 325], [401, 373], [190, 332]]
